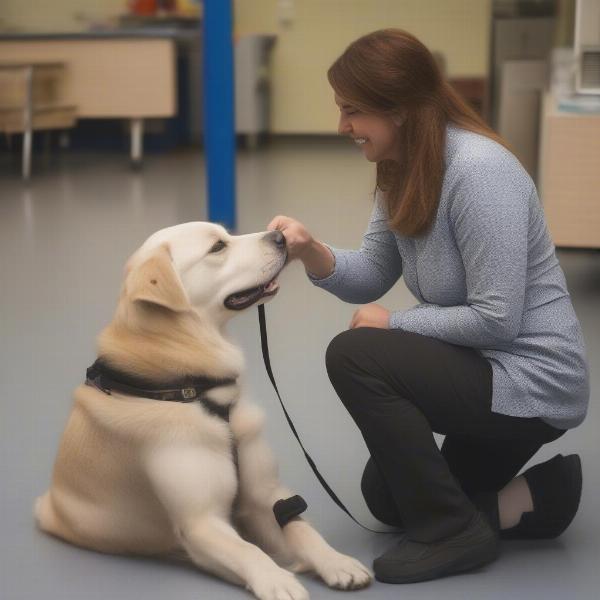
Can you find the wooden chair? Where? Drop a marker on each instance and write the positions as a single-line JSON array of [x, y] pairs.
[[30, 100]]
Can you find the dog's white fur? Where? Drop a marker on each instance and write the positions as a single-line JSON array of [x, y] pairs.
[[142, 476]]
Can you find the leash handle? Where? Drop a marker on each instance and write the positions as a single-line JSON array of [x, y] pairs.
[[265, 351]]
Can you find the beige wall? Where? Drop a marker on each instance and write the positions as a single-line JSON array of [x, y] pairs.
[[56, 15], [302, 100], [321, 29]]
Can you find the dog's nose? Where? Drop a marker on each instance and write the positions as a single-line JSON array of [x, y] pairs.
[[275, 237]]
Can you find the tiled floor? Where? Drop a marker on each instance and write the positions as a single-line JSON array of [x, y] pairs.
[[63, 241]]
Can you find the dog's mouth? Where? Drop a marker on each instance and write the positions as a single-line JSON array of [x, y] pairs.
[[246, 298]]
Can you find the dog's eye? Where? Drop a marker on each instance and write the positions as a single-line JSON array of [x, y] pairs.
[[217, 247]]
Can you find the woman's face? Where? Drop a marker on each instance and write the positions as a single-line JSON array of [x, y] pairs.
[[376, 135]]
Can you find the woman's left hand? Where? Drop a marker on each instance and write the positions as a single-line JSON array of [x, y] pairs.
[[371, 315]]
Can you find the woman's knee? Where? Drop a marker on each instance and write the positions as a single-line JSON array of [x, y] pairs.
[[339, 350], [345, 349]]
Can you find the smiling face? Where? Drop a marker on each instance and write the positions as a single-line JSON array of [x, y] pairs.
[[376, 135], [219, 273]]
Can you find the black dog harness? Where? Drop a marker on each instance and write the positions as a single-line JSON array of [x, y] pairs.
[[189, 389]]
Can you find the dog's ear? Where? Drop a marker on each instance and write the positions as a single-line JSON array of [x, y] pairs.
[[156, 281]]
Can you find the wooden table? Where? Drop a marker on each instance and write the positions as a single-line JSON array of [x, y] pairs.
[[109, 74]]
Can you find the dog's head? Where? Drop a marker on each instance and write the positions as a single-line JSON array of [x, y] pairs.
[[200, 266]]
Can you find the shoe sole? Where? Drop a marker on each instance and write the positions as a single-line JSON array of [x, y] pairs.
[[474, 558]]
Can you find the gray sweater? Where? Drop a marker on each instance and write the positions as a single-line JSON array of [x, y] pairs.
[[486, 276]]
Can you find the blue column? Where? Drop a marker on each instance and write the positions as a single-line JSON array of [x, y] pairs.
[[219, 115]]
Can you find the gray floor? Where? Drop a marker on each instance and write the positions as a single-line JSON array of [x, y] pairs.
[[63, 241]]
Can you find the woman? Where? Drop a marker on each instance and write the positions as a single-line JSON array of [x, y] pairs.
[[493, 355]]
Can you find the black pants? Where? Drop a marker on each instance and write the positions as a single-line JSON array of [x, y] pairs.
[[400, 387]]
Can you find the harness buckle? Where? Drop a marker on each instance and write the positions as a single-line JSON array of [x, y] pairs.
[[188, 393]]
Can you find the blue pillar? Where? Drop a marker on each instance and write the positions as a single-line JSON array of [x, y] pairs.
[[219, 115]]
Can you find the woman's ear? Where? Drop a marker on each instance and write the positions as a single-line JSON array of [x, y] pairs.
[[155, 281]]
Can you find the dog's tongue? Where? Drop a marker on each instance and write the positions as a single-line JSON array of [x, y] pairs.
[[271, 286]]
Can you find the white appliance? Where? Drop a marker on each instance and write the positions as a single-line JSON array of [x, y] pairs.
[[587, 46], [252, 86]]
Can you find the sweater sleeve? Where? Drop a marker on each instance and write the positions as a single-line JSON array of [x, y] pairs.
[[489, 216], [364, 275]]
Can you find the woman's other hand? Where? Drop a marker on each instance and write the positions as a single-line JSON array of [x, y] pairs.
[[371, 315]]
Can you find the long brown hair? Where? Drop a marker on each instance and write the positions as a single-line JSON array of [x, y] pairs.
[[391, 73]]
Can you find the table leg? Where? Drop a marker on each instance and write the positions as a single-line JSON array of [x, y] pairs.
[[137, 138]]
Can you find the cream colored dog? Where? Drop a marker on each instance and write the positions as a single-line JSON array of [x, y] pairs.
[[145, 476]]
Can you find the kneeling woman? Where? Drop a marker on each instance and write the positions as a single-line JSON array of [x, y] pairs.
[[492, 356]]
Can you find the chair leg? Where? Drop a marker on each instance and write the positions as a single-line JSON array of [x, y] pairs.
[[27, 125]]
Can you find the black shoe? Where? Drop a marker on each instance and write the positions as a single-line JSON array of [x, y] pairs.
[[555, 488], [409, 562]]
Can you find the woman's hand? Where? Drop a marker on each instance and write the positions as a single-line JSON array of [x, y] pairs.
[[371, 315], [297, 238]]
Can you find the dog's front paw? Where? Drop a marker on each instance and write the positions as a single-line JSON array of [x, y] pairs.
[[344, 572], [278, 585]]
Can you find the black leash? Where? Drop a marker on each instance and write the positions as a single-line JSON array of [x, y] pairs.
[[313, 466]]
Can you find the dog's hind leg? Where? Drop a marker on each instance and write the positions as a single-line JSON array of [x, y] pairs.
[[44, 513], [47, 518]]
